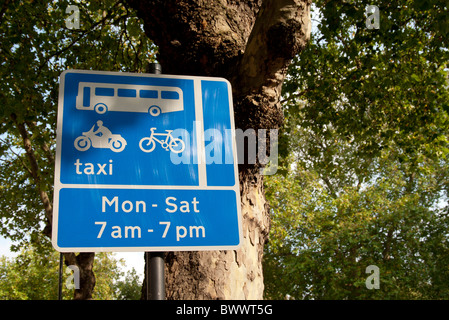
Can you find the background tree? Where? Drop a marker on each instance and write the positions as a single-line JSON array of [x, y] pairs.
[[320, 244], [365, 145]]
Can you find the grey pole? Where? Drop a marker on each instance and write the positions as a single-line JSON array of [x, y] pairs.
[[154, 272], [157, 277]]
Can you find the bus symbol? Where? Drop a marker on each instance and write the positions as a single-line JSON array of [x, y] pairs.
[[104, 97]]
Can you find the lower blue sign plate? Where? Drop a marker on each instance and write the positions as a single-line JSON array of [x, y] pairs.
[[146, 220]]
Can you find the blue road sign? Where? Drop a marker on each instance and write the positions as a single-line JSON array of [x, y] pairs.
[[145, 162]]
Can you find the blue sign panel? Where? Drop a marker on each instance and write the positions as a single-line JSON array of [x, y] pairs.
[[145, 162]]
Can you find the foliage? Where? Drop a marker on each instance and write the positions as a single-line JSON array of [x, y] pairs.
[[320, 245], [371, 87], [365, 144], [34, 275], [129, 288]]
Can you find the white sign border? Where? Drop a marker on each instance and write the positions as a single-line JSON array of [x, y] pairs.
[[201, 166]]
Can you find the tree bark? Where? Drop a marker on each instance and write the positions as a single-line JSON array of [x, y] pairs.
[[225, 274], [251, 43]]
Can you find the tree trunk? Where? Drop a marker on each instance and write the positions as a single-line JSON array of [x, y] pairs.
[[251, 43], [225, 274], [84, 261]]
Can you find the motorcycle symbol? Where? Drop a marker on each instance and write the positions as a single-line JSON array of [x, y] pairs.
[[176, 145], [100, 138]]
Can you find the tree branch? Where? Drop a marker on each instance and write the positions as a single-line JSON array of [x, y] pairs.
[[281, 31], [44, 147], [35, 171]]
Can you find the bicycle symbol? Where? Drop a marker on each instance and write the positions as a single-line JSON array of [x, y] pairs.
[[148, 144]]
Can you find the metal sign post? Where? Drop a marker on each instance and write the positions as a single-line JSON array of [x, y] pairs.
[[154, 267], [156, 276]]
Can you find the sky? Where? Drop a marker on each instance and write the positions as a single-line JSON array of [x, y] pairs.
[[5, 245]]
